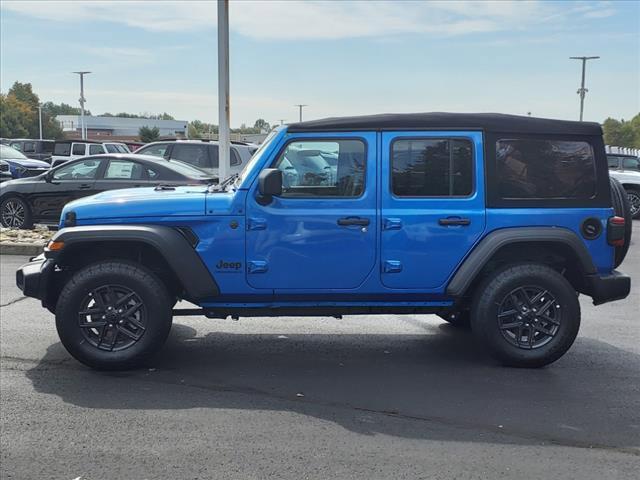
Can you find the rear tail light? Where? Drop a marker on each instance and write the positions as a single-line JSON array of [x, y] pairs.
[[615, 231]]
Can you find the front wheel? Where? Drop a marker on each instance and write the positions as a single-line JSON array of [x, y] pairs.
[[527, 315], [113, 315], [15, 213]]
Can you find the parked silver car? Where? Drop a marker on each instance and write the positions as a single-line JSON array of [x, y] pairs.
[[200, 153]]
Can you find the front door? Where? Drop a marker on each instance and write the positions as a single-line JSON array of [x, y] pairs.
[[321, 232], [69, 182], [432, 205]]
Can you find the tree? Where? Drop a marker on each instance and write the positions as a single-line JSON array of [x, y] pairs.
[[62, 109], [15, 117], [24, 93], [148, 134], [621, 133], [262, 125]]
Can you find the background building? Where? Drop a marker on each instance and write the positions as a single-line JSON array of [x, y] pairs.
[[119, 128]]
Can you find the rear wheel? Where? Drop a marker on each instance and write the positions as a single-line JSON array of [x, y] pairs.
[[113, 315], [527, 315], [15, 213]]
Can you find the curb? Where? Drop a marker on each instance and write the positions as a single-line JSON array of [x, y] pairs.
[[11, 248]]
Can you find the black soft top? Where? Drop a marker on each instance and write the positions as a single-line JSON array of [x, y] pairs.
[[490, 122]]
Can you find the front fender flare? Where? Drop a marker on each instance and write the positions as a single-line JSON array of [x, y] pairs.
[[174, 247]]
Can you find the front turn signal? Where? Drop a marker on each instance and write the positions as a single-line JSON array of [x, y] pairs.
[[53, 246]]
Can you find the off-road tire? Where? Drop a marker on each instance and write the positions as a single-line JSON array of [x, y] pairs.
[[495, 288], [621, 207], [124, 275], [16, 202]]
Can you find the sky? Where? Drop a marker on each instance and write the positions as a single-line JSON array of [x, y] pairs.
[[339, 57]]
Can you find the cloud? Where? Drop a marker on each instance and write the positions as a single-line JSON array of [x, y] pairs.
[[320, 20]]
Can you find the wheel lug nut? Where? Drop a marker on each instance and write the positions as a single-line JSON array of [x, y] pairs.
[[104, 316], [121, 322]]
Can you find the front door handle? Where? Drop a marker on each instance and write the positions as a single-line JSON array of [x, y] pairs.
[[85, 186], [453, 221], [347, 221]]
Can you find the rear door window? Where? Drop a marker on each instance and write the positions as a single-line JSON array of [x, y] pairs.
[[157, 150], [196, 155], [630, 163], [79, 148], [545, 169], [432, 167], [62, 149], [124, 170], [95, 149]]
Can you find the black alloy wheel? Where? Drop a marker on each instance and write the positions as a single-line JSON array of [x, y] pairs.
[[634, 202], [529, 317], [112, 317], [14, 213]]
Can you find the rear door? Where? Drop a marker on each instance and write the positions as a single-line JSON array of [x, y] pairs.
[[122, 173], [432, 205]]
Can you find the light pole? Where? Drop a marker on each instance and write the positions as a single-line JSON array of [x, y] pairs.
[[40, 118], [83, 131], [224, 143], [300, 106], [582, 91]]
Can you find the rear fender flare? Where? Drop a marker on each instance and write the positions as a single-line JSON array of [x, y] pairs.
[[494, 241]]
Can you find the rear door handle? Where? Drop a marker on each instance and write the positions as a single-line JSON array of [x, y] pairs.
[[85, 186], [347, 221], [453, 221]]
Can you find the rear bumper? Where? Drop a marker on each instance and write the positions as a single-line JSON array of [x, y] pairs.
[[33, 277], [607, 288]]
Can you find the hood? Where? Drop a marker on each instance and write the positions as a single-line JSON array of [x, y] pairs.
[[626, 176], [27, 162], [140, 202]]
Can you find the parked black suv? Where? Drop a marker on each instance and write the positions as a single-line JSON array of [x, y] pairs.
[[36, 149]]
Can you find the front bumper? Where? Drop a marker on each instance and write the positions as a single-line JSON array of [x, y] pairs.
[[607, 288], [33, 277]]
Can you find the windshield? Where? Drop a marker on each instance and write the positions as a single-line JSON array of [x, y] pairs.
[[10, 153], [256, 156]]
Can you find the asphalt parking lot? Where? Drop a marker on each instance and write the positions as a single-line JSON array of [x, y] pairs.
[[363, 397]]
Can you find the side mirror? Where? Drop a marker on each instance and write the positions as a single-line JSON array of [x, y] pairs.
[[269, 185], [48, 177]]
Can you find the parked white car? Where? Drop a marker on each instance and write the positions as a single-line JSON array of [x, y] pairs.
[[65, 150], [626, 169]]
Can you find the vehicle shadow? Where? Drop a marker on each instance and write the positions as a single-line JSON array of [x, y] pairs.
[[359, 381]]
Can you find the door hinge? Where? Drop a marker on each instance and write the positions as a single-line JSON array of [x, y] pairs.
[[257, 266], [256, 224], [392, 224], [392, 266]]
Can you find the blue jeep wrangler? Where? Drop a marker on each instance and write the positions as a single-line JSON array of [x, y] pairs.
[[492, 221]]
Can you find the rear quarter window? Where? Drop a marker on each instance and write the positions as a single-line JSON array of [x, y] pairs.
[[63, 149], [545, 169]]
